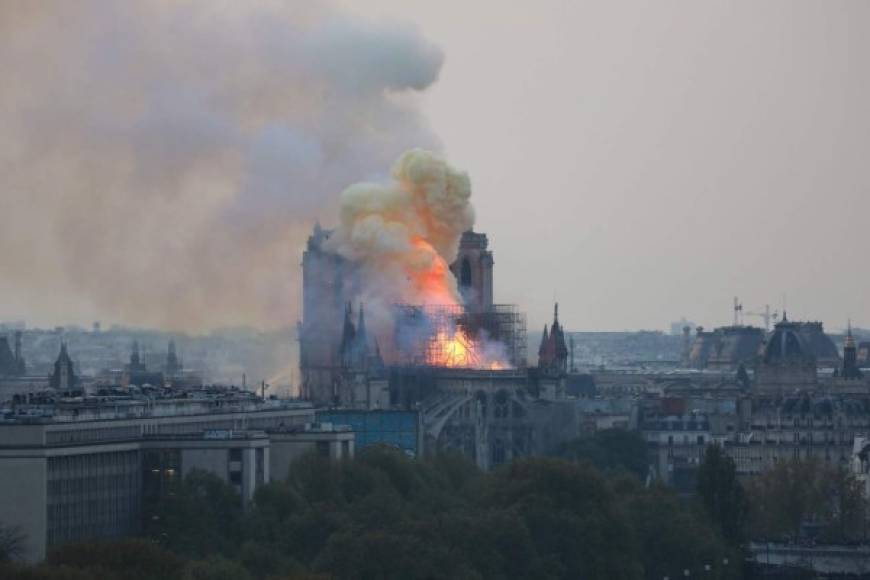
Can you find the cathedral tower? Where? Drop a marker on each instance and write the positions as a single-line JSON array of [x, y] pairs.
[[473, 270]]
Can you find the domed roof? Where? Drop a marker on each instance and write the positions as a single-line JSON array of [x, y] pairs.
[[787, 343]]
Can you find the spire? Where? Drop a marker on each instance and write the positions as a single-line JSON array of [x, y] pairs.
[[134, 355], [545, 338], [361, 323], [63, 378], [850, 340], [553, 353], [173, 364]]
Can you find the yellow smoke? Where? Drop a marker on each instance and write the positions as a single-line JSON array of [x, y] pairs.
[[406, 233]]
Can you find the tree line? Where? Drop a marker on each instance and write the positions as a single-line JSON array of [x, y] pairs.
[[586, 512]]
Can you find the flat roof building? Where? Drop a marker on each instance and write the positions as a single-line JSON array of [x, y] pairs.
[[82, 468]]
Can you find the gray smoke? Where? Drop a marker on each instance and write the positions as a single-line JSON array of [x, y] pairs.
[[161, 162]]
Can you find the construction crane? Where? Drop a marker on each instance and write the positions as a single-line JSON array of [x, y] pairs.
[[766, 315]]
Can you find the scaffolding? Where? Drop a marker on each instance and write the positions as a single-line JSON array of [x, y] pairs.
[[474, 333]]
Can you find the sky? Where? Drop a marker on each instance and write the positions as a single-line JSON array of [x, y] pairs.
[[636, 161], [643, 161]]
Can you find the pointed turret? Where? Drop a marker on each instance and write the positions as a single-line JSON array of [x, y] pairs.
[[173, 364], [850, 356], [557, 335], [361, 335], [545, 338], [553, 352], [63, 378], [134, 354]]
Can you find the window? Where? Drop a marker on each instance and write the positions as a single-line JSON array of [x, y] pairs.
[[465, 274]]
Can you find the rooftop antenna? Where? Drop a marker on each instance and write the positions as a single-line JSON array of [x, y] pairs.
[[738, 311]]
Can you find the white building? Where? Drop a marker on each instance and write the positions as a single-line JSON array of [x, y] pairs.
[[82, 468]]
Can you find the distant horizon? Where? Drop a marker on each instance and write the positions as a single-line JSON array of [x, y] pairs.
[[636, 162]]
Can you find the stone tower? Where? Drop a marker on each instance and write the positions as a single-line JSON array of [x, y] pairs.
[[850, 357], [173, 363], [473, 270], [329, 283]]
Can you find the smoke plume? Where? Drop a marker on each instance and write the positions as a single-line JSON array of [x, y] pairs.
[[404, 235], [401, 238], [161, 162]]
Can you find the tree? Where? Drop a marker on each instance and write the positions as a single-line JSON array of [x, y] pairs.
[[215, 568], [610, 450], [129, 559], [574, 524], [11, 543], [204, 517], [722, 494], [672, 535], [807, 491]]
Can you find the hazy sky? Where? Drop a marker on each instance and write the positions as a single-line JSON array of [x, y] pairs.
[[646, 160], [638, 161]]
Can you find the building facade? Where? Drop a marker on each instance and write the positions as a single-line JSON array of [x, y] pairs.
[[83, 469]]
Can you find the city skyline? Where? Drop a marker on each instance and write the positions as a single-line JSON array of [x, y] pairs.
[[671, 157]]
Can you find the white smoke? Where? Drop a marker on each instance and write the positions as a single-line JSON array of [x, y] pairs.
[[404, 234]]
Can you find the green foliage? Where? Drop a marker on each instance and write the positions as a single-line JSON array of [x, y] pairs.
[[672, 537], [204, 517], [11, 543], [798, 492], [722, 494], [215, 568], [610, 450], [571, 515], [131, 559], [385, 516]]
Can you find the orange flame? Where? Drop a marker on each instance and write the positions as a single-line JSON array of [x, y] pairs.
[[460, 351], [430, 277], [432, 283]]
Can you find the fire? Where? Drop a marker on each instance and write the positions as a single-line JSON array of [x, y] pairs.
[[458, 350], [429, 275]]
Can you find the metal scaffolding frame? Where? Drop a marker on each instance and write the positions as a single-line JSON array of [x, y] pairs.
[[417, 327]]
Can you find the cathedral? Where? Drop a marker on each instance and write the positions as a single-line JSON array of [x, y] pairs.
[[330, 286], [553, 352]]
